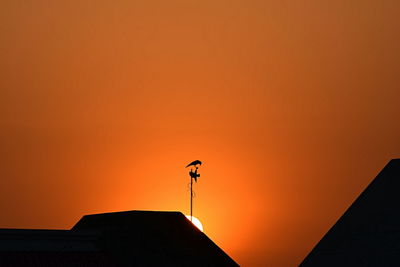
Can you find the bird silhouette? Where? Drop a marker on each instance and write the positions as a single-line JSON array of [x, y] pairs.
[[194, 163]]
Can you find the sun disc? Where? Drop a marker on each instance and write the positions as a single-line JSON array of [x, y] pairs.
[[196, 222]]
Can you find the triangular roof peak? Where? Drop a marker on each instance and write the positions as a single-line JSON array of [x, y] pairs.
[[368, 233]]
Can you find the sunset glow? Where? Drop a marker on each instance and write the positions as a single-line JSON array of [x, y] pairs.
[[292, 105]]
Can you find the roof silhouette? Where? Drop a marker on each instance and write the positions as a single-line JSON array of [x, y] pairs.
[[131, 238], [368, 233]]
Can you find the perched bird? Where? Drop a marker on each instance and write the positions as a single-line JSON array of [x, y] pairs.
[[194, 163]]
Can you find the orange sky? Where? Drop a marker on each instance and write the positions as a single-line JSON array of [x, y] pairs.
[[292, 105]]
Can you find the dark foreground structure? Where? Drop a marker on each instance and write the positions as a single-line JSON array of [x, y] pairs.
[[368, 233], [132, 238]]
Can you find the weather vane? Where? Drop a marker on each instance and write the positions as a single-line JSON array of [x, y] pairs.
[[193, 175]]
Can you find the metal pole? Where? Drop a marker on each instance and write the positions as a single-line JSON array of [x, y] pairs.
[[191, 198]]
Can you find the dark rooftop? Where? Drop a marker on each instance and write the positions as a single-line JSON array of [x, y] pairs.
[[368, 233], [131, 238]]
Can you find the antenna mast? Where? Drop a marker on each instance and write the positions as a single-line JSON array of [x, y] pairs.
[[193, 175]]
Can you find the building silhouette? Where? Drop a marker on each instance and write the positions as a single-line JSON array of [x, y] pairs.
[[368, 233], [131, 238]]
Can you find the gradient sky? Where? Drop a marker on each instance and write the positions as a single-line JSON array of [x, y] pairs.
[[292, 105]]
